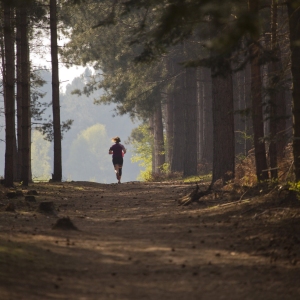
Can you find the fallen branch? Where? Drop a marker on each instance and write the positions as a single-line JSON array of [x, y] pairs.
[[194, 196]]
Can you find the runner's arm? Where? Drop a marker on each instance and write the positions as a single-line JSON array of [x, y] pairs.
[[124, 150]]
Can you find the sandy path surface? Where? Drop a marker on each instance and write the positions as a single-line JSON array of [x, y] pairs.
[[134, 242]]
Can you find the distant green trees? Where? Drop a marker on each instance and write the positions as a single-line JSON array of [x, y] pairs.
[[91, 151], [41, 160], [142, 142], [89, 145]]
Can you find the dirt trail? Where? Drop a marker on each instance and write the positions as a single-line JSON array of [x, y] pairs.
[[135, 242]]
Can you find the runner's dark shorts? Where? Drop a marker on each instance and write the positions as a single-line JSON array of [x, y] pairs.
[[117, 161]]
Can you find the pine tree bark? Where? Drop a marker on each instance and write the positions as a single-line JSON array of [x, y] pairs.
[[169, 108], [9, 94], [169, 128], [207, 121], [223, 128], [57, 170], [281, 118], [294, 25], [19, 94], [248, 105], [159, 148], [179, 121], [191, 107], [200, 120], [26, 125], [242, 105], [273, 94], [238, 104], [151, 130], [256, 98]]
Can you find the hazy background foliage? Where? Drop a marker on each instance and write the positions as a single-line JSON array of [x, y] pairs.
[[85, 146]]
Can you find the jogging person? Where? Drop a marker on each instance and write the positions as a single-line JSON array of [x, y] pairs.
[[117, 150]]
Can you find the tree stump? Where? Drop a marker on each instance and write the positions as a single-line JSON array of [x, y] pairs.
[[32, 192], [11, 195], [30, 198], [19, 193], [47, 207], [10, 207], [64, 224]]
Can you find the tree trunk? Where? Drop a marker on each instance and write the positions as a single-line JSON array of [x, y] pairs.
[[248, 105], [223, 128], [207, 130], [57, 171], [256, 96], [277, 99], [169, 128], [19, 94], [158, 139], [281, 118], [190, 151], [26, 126], [273, 95], [179, 121], [151, 129], [242, 106], [9, 99], [294, 25], [169, 108], [200, 120], [238, 117]]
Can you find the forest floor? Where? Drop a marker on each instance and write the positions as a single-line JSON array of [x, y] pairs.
[[135, 242]]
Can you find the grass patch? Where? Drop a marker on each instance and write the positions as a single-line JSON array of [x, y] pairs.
[[177, 176], [197, 178]]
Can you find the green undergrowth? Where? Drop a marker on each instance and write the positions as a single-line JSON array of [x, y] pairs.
[[197, 178], [295, 187], [176, 176]]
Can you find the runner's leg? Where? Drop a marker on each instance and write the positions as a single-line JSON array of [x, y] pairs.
[[120, 172], [117, 172], [118, 168]]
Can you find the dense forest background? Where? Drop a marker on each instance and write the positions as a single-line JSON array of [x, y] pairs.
[[212, 85]]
